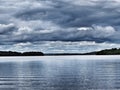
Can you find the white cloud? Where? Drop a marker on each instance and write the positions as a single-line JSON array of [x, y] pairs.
[[103, 31], [84, 28], [23, 44], [23, 30], [45, 31], [82, 2]]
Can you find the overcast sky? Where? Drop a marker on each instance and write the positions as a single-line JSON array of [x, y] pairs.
[[59, 25]]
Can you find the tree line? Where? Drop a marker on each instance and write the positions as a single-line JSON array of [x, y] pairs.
[[11, 53], [113, 51]]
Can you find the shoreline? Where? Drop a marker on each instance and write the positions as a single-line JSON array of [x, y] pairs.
[[59, 55], [113, 51]]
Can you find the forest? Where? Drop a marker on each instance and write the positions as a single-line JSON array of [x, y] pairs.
[[11, 53]]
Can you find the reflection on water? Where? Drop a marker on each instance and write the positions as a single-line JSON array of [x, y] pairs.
[[62, 74]]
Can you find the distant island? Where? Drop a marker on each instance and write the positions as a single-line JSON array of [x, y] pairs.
[[113, 51]]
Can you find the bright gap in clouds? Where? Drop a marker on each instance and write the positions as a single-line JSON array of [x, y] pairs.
[[60, 46]]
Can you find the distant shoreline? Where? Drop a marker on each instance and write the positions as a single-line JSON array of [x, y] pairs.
[[113, 51], [12, 53]]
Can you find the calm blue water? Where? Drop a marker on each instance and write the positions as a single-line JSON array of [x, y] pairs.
[[60, 73]]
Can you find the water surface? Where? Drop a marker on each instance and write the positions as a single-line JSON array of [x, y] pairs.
[[60, 73]]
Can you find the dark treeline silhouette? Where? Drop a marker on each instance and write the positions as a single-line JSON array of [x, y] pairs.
[[113, 51], [32, 54], [11, 53]]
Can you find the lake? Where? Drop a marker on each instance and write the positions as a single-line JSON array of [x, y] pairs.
[[60, 73]]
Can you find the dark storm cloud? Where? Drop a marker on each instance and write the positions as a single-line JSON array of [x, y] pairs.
[[71, 15], [96, 33], [23, 21]]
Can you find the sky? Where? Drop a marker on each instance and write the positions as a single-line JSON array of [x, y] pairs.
[[59, 26]]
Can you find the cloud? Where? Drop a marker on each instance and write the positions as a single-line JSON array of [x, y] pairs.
[[95, 33], [59, 46], [59, 20], [6, 28], [76, 13], [23, 44]]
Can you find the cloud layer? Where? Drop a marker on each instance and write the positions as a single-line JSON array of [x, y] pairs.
[[29, 22]]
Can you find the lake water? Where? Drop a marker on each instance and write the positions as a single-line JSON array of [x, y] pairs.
[[60, 73]]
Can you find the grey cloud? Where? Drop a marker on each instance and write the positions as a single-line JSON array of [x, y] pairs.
[[6, 29], [72, 15], [94, 33], [23, 21]]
